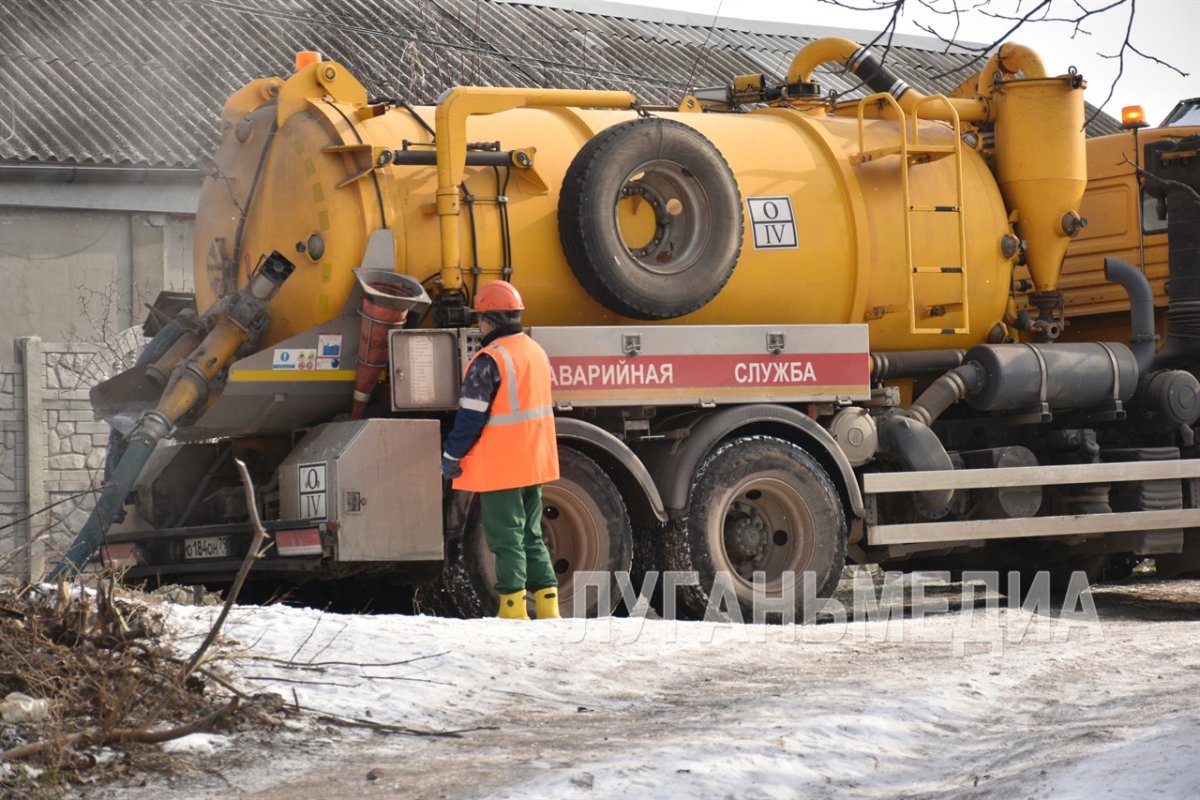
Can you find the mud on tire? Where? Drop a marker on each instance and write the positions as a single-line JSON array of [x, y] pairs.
[[757, 504], [586, 527]]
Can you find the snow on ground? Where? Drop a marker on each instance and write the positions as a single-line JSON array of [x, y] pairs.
[[967, 703], [198, 743]]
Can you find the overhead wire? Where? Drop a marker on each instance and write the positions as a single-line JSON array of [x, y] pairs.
[[701, 54], [568, 67]]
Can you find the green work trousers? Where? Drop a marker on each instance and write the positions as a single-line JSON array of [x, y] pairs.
[[512, 523]]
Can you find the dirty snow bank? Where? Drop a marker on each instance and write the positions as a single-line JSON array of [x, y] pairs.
[[959, 704]]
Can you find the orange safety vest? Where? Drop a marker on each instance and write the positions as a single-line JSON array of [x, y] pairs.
[[517, 447]]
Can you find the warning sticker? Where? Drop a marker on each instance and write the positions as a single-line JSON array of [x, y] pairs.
[[329, 350], [329, 345], [294, 359], [328, 355], [774, 223]]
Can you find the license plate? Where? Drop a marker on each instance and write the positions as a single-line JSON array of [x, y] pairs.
[[206, 547]]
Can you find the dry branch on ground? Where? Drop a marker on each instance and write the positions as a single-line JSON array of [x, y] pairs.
[[107, 672]]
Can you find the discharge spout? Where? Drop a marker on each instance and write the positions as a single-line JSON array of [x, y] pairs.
[[387, 299]]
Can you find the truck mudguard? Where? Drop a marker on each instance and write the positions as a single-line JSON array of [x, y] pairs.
[[674, 467], [609, 451]]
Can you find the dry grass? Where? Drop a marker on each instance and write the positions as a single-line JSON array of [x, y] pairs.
[[110, 678]]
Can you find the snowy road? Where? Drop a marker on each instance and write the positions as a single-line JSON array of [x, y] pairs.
[[966, 703]]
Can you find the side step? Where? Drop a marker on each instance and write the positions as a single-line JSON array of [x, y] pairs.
[[1069, 525]]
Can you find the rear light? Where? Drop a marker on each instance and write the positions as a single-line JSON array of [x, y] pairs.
[[118, 555], [303, 542]]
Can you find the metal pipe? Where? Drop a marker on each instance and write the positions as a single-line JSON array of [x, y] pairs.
[[910, 364], [428, 158], [1141, 309], [1009, 59], [450, 122], [864, 64]]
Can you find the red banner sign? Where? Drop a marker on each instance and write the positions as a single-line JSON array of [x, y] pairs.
[[710, 371]]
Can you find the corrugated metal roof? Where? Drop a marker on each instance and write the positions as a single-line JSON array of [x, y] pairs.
[[142, 82]]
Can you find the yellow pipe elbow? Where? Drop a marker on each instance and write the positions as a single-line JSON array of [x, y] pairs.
[[859, 60], [450, 127], [1009, 59], [833, 48]]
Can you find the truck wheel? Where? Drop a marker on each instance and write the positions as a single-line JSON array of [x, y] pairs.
[[758, 504], [586, 528], [650, 219]]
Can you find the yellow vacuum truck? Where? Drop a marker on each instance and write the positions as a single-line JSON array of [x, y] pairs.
[[786, 331]]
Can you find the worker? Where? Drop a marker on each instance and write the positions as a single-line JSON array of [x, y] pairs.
[[503, 447]]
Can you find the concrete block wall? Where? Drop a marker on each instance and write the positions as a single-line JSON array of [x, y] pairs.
[[12, 461], [53, 460], [75, 441]]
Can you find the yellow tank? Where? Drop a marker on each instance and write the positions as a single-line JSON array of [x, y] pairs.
[[314, 167]]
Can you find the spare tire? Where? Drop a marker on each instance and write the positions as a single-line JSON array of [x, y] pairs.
[[650, 219]]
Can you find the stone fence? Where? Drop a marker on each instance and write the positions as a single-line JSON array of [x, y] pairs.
[[52, 465]]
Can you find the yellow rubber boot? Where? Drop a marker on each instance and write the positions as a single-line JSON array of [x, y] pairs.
[[512, 606], [546, 603]]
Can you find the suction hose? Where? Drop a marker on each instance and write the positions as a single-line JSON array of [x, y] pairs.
[[917, 448], [238, 319], [140, 443], [947, 390], [157, 347]]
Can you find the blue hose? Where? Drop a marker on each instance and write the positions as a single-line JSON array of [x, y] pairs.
[[137, 451], [122, 465], [155, 349]]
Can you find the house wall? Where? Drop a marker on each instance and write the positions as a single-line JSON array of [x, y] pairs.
[[83, 275], [81, 254]]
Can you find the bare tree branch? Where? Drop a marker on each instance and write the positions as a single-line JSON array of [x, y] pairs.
[[119, 735], [322, 664], [260, 534], [388, 728], [1156, 60], [1120, 56], [1167, 181]]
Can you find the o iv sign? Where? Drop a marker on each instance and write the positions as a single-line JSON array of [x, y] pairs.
[[312, 490], [774, 223]]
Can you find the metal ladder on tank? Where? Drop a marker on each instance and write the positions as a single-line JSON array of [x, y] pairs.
[[912, 155]]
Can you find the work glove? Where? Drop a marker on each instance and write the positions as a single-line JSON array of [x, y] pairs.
[[451, 467]]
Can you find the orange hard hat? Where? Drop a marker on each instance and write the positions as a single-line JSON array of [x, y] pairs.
[[498, 296]]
